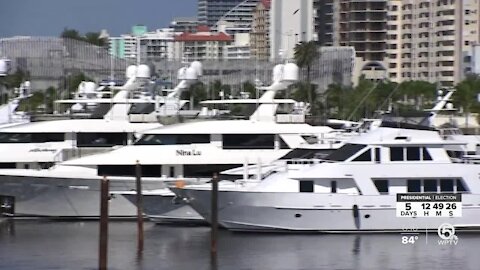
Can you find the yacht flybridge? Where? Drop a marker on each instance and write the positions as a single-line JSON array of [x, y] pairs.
[[355, 188], [193, 150]]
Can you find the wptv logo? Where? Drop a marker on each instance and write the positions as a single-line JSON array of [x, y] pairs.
[[446, 232]]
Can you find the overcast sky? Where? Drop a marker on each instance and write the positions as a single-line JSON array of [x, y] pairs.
[[50, 17]]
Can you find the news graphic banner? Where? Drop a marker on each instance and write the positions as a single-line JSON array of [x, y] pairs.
[[429, 205]]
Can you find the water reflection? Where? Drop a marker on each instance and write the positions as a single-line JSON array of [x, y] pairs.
[[74, 245]]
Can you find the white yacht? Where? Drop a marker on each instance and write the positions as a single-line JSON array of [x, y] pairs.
[[193, 150], [353, 190], [40, 145]]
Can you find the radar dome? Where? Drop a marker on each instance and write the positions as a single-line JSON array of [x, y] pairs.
[[27, 84], [131, 71], [449, 106], [143, 71], [191, 74], [290, 72], [277, 74], [198, 67], [89, 87]]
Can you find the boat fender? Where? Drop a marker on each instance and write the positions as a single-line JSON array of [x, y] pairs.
[[355, 211]]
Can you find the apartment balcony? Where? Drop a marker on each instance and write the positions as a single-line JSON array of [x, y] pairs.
[[447, 18], [445, 58], [445, 38], [444, 28]]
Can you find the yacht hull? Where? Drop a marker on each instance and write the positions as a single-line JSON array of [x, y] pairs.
[[67, 197], [167, 209], [310, 212]]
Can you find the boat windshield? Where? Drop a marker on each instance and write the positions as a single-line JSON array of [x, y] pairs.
[[344, 152], [171, 139]]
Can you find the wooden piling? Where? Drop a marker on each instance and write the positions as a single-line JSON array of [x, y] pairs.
[[214, 219], [138, 173], [103, 245]]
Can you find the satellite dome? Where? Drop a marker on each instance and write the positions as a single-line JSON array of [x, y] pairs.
[[449, 106], [290, 72], [131, 71], [198, 67], [277, 74], [143, 71], [89, 87]]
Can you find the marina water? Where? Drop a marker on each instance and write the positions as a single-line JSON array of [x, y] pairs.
[[38, 244]]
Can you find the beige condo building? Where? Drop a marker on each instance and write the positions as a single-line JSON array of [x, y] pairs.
[[431, 40]]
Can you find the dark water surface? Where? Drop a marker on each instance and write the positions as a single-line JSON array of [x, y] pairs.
[[74, 245]]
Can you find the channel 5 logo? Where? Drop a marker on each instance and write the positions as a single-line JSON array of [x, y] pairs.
[[446, 232]]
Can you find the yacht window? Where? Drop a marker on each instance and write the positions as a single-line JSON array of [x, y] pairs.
[[31, 137], [396, 153], [333, 184], [306, 186], [446, 185], [366, 156], [9, 165], [414, 186], [413, 153], [310, 139], [382, 186], [426, 155], [129, 170], [26, 166], [345, 152], [460, 186], [173, 139], [283, 144], [101, 139], [172, 171], [248, 141], [377, 154], [430, 185]]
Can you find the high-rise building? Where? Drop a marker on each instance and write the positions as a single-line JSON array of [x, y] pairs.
[[210, 11], [361, 24], [260, 33], [431, 40], [291, 22], [324, 18], [238, 19], [142, 45], [202, 45], [184, 24]]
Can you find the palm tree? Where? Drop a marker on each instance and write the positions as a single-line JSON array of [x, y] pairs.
[[305, 54]]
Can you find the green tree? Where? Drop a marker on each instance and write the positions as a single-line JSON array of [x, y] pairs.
[[93, 38], [466, 95], [250, 88], [71, 33], [305, 54], [214, 89]]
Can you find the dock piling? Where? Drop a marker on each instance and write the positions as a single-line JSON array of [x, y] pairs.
[[214, 220], [138, 173], [103, 245]]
